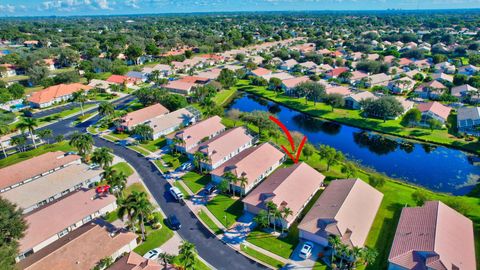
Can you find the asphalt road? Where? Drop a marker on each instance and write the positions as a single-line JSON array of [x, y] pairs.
[[209, 247], [58, 109]]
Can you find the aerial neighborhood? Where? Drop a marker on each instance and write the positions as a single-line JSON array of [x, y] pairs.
[[284, 140]]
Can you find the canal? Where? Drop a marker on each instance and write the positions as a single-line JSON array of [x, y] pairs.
[[435, 167]]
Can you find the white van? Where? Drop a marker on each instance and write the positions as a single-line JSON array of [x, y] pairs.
[[176, 193]]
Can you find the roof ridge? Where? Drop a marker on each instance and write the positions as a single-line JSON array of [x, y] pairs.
[[355, 180]]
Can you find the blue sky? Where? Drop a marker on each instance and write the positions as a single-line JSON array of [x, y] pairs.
[[105, 7]]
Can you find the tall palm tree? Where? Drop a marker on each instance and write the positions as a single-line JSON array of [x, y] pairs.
[[243, 181], [286, 212], [20, 142], [29, 124], [108, 173], [102, 156], [44, 134], [81, 98], [83, 142], [262, 219], [106, 109], [137, 207], [231, 178], [369, 255], [4, 129], [335, 242], [118, 181], [271, 207], [187, 255], [197, 160], [166, 259]]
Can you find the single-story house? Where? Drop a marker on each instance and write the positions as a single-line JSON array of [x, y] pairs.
[[341, 90], [468, 70], [137, 75], [211, 74], [259, 72], [180, 87], [308, 66], [289, 84], [334, 73], [353, 101], [48, 188], [291, 188], [435, 110], [120, 79], [347, 209], [288, 64], [357, 76], [253, 164], [59, 218], [433, 236], [279, 75], [405, 62], [132, 119], [191, 136], [80, 250], [378, 79], [468, 120], [168, 123], [431, 90], [164, 70], [100, 84], [34, 168], [223, 147], [8, 70], [57, 93], [441, 77], [406, 104], [195, 79], [463, 91], [445, 67], [401, 85]]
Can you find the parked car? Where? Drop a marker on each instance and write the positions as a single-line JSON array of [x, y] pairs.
[[306, 250], [153, 254], [210, 188], [186, 166], [173, 222], [176, 193]]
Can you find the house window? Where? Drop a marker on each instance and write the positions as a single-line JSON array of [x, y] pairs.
[[87, 219], [25, 254], [62, 233]]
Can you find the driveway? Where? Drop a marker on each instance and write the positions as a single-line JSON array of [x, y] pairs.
[[210, 248], [300, 263]]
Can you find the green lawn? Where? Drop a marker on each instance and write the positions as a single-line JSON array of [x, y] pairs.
[[140, 150], [15, 158], [354, 118], [223, 207], [174, 161], [195, 182], [112, 216], [224, 96], [155, 238], [155, 145], [119, 136], [199, 265], [160, 166], [283, 247], [261, 257], [138, 187], [123, 167], [182, 189], [209, 222]]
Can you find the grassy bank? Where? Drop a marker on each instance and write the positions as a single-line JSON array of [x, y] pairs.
[[354, 118]]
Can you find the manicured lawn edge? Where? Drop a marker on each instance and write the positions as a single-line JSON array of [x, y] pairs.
[[258, 256], [208, 222], [123, 167]]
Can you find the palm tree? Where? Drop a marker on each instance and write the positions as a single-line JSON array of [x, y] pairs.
[[176, 141], [166, 259], [29, 124], [187, 254], [59, 138], [4, 129], [369, 255], [102, 156], [243, 183], [106, 109], [145, 132], [81, 98], [197, 160], [335, 242], [286, 212], [271, 207], [136, 206], [108, 173], [83, 142], [231, 178], [118, 181], [44, 134], [20, 142], [262, 219]]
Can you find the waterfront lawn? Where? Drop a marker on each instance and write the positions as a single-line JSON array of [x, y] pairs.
[[195, 182], [123, 167], [18, 157], [222, 97], [354, 118], [209, 222], [225, 209], [261, 257]]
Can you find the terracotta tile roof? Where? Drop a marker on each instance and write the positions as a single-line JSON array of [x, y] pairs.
[[362, 95], [251, 163], [288, 187], [79, 250], [433, 236], [133, 261], [337, 71], [358, 75], [119, 79], [141, 116], [192, 135], [436, 108], [458, 91], [435, 85], [194, 79], [35, 166], [167, 121], [346, 208], [291, 83], [49, 185], [342, 90], [404, 62], [219, 147], [261, 71], [57, 91], [279, 75], [180, 85], [55, 217]]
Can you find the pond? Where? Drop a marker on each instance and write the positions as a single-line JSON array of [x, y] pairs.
[[435, 167]]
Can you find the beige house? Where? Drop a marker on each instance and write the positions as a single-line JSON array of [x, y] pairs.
[[191, 136], [347, 209], [130, 120]]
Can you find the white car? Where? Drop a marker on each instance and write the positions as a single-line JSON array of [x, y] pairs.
[[153, 254], [306, 250], [176, 193]]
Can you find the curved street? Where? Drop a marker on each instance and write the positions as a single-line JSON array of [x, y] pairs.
[[210, 248]]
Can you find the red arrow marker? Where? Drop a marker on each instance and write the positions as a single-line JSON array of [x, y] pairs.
[[290, 139]]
